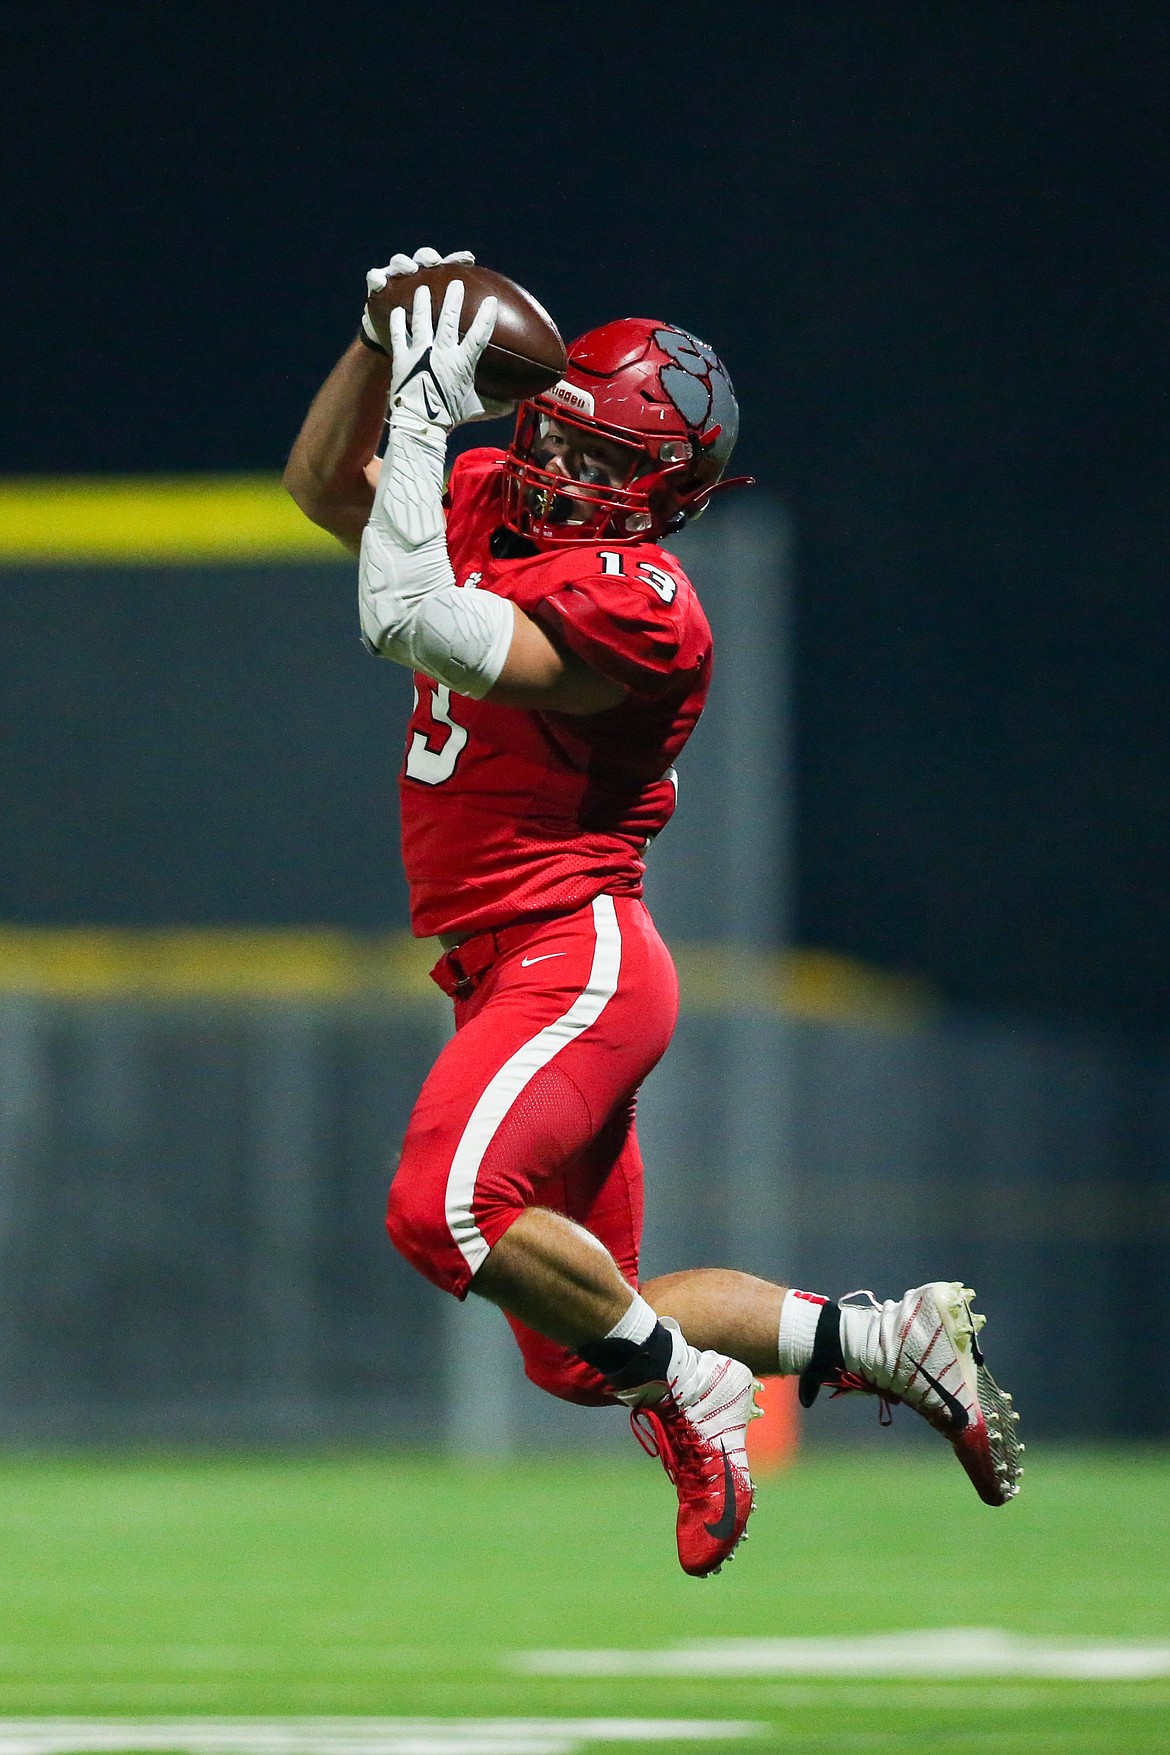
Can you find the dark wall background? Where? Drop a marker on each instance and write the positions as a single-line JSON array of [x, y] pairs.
[[215, 747], [932, 243]]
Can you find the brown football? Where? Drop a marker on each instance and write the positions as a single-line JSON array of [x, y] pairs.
[[525, 354]]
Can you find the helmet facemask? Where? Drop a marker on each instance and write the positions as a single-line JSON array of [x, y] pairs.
[[570, 480]]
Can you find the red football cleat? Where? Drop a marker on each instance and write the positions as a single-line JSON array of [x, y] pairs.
[[697, 1432]]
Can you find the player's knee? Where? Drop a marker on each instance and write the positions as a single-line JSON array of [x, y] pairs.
[[415, 1220]]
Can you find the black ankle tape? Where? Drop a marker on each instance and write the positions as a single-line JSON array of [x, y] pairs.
[[630, 1364], [827, 1358]]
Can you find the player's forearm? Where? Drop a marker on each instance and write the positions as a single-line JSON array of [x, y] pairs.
[[330, 472], [411, 609]]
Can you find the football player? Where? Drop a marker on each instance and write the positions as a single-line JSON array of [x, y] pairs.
[[561, 659]]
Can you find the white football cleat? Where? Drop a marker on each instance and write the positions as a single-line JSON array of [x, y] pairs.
[[923, 1350]]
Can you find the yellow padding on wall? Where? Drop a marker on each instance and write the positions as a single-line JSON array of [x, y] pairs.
[[188, 962], [318, 963], [160, 520]]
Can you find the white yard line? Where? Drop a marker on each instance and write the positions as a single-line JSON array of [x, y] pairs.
[[885, 1697], [946, 1653], [352, 1736]]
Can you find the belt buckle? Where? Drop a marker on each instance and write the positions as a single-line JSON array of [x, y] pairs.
[[464, 985]]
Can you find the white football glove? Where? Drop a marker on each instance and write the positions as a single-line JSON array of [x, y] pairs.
[[432, 374], [481, 407], [401, 264], [432, 389], [411, 609]]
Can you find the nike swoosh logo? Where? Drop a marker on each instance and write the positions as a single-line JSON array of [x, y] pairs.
[[422, 369], [726, 1525], [952, 1403], [526, 962]]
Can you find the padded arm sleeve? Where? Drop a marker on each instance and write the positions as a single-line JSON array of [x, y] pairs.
[[411, 609]]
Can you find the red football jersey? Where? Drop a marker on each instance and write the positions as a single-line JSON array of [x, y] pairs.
[[510, 812]]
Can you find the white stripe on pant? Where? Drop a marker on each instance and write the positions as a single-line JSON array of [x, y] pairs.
[[499, 1095]]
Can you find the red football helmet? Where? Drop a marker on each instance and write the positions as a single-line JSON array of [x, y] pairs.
[[631, 443]]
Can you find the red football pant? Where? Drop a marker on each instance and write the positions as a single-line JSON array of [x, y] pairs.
[[531, 1103]]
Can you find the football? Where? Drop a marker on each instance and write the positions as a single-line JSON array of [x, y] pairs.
[[525, 354]]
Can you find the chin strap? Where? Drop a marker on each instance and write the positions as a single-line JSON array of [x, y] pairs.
[[696, 504], [701, 500]]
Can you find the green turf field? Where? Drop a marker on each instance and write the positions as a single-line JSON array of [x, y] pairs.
[[371, 1585]]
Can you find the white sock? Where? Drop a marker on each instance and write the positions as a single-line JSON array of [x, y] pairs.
[[637, 1324], [799, 1315]]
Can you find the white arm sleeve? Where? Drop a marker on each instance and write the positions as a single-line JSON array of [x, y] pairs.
[[411, 609]]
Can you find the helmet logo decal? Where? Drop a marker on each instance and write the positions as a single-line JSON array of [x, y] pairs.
[[696, 382], [690, 395], [581, 400]]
